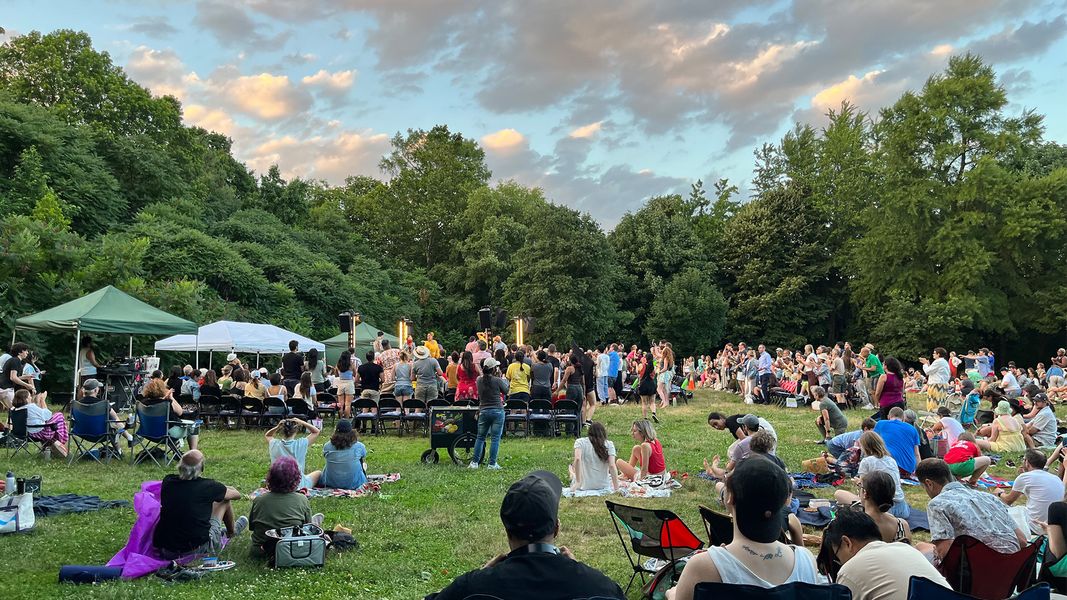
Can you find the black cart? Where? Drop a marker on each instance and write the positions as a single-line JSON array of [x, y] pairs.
[[454, 428]]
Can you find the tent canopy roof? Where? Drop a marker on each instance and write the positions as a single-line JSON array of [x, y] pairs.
[[107, 310], [232, 336], [365, 334]]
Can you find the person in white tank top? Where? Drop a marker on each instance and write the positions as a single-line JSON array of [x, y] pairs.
[[757, 495]]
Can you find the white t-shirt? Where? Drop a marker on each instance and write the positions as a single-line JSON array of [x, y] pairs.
[[1045, 423], [951, 429], [880, 571], [603, 363], [886, 464], [596, 474], [36, 416], [1041, 488]]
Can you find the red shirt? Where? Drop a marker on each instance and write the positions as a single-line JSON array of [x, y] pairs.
[[656, 463], [962, 451]]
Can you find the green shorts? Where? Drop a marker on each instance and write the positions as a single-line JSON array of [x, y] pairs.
[[963, 469]]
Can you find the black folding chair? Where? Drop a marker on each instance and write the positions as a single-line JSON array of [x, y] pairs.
[[720, 527], [208, 407], [568, 415], [253, 411], [300, 408], [389, 411], [419, 415], [326, 404], [18, 436], [541, 416], [651, 533], [517, 411], [365, 410]]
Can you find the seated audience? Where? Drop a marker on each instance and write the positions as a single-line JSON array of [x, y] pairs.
[[757, 494], [956, 510], [831, 420], [877, 458], [306, 391], [277, 389], [175, 381], [194, 512], [282, 441], [1056, 530], [1006, 434], [281, 506], [37, 416], [211, 387], [878, 495], [154, 392], [871, 568], [594, 465], [946, 426], [838, 444], [534, 569], [190, 383], [226, 381], [901, 439], [1040, 487], [346, 465], [646, 458], [254, 388], [1042, 426]]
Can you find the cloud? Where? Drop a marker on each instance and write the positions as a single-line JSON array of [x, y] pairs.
[[161, 71], [263, 96], [231, 25], [331, 158], [852, 90], [211, 119], [505, 140], [155, 26], [1015, 43], [586, 131], [297, 58], [334, 86]]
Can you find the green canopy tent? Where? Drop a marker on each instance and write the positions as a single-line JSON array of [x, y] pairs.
[[365, 334], [107, 310]]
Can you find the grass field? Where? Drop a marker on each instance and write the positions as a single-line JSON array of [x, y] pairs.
[[434, 524]]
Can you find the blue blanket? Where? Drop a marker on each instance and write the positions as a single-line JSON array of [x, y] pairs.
[[917, 520], [48, 506]]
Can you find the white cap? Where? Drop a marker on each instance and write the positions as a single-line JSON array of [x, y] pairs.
[[232, 356]]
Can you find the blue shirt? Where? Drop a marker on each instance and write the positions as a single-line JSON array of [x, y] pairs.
[[844, 441], [984, 364], [613, 364], [344, 468], [765, 363], [970, 408], [901, 439]]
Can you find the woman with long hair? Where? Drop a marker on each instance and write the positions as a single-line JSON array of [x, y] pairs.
[[646, 458], [346, 465], [466, 377], [317, 368], [156, 391], [210, 387], [594, 465], [519, 375], [403, 389], [38, 415], [646, 387], [876, 458], [889, 390], [306, 390], [240, 381], [665, 375], [492, 388], [574, 379], [346, 385]]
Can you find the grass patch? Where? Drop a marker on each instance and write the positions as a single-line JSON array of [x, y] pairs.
[[421, 532]]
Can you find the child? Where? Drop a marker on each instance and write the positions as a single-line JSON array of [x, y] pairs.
[[965, 459], [971, 400]]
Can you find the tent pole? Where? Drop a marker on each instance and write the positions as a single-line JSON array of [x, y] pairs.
[[257, 360], [130, 355], [77, 351], [198, 349], [210, 355], [13, 331]]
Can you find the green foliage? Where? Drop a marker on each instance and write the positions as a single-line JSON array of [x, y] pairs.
[[690, 311], [49, 210]]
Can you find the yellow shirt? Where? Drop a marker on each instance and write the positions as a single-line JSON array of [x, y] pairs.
[[433, 347], [519, 378]]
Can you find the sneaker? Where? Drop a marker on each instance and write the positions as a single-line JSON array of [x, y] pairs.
[[473, 465], [868, 406], [240, 525], [494, 467], [821, 442], [317, 519]]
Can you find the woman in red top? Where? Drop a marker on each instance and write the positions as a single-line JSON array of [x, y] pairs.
[[466, 378], [965, 459], [646, 459]]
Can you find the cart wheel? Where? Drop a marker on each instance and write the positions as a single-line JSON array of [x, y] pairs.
[[430, 457], [462, 449]]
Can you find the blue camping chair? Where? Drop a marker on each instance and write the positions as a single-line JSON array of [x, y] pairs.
[[153, 425], [18, 437], [90, 430]]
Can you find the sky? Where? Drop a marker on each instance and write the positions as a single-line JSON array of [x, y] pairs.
[[602, 103]]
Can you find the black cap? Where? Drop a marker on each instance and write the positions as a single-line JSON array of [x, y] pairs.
[[531, 506], [343, 426], [759, 489], [1040, 397]]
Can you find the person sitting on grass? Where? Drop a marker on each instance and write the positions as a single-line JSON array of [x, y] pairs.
[[281, 506], [831, 420], [946, 426], [876, 458], [1042, 426], [535, 568], [289, 445], [1040, 487], [646, 462], [837, 445], [1005, 433], [594, 465], [877, 496], [964, 459], [757, 494], [194, 512], [869, 566], [901, 439], [346, 465], [37, 416], [738, 451]]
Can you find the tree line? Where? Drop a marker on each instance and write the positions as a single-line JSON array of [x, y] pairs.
[[938, 221]]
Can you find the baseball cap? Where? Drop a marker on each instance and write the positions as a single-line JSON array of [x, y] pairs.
[[759, 489], [256, 374], [531, 506], [1041, 397], [490, 363], [343, 426], [90, 384], [750, 422], [232, 356]]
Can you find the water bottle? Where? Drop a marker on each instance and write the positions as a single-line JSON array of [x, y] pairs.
[[9, 485]]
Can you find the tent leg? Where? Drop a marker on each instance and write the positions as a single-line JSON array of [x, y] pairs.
[[13, 331], [210, 355], [257, 360], [197, 351], [77, 351], [130, 355]]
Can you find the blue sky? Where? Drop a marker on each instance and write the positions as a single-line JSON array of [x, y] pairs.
[[601, 103]]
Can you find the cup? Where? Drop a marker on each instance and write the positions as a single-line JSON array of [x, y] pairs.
[[210, 562]]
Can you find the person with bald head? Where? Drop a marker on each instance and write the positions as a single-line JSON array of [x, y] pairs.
[[194, 511]]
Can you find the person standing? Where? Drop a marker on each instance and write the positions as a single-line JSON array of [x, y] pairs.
[[292, 366], [87, 362], [938, 374], [889, 387], [378, 343], [388, 359], [614, 366], [764, 369], [492, 388], [431, 344], [871, 366], [665, 375], [427, 373], [11, 377], [317, 368]]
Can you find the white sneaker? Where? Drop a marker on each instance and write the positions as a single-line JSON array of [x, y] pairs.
[[473, 465], [494, 467], [869, 406]]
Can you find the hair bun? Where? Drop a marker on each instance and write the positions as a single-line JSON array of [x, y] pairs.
[[768, 514]]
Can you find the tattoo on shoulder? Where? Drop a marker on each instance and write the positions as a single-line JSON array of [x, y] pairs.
[[765, 556]]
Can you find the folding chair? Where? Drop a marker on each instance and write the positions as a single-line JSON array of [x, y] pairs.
[[90, 430], [153, 425], [420, 415], [274, 409], [517, 411], [230, 408], [540, 412], [18, 437], [921, 588], [364, 411], [208, 407], [253, 411], [389, 411], [299, 408], [658, 534], [788, 591], [569, 415], [326, 403], [973, 568], [720, 527]]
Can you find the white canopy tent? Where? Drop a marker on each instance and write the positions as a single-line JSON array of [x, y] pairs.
[[231, 336]]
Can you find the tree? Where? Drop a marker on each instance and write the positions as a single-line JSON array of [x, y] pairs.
[[690, 312]]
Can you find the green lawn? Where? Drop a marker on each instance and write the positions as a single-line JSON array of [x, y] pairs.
[[434, 524]]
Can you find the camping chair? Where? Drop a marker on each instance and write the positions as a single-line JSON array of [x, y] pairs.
[[517, 411], [153, 425], [363, 412], [788, 591], [90, 430], [389, 411], [569, 414], [652, 533], [921, 588], [973, 568], [419, 415], [541, 412], [18, 436], [720, 527]]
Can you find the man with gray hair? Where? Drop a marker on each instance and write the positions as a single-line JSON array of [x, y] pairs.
[[194, 511]]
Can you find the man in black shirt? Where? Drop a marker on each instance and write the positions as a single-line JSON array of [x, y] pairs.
[[292, 366], [721, 422], [535, 568], [369, 378], [11, 379], [194, 512]]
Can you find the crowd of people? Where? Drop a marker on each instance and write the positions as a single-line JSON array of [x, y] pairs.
[[867, 547]]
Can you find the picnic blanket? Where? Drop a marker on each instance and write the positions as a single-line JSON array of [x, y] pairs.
[[917, 520], [807, 480], [631, 489], [50, 506], [373, 486]]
